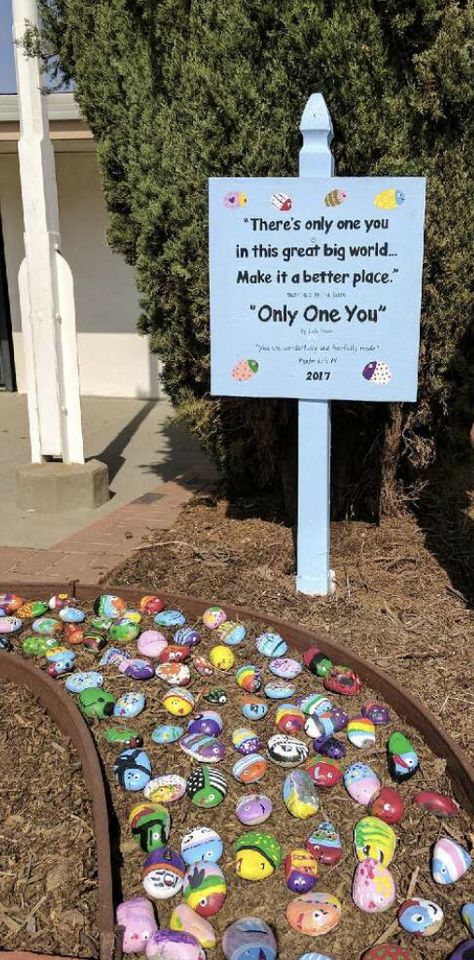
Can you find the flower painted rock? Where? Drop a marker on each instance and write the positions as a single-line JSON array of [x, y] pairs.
[[151, 643], [166, 733], [174, 653], [301, 870], [175, 674], [270, 644], [361, 783], [314, 703], [325, 843], [213, 617], [279, 689], [183, 918], [150, 824], [201, 843], [245, 741], [167, 788], [170, 944], [389, 951], [377, 712], [204, 888], [464, 951], [178, 701], [375, 839], [222, 657], [388, 805], [249, 939], [206, 787], [330, 747], [343, 680], [323, 771], [202, 747], [136, 669], [437, 803], [129, 705], [257, 855], [151, 605], [314, 914], [231, 633], [203, 666], [450, 861], [373, 888], [299, 795], [286, 751], [209, 721], [84, 680], [107, 605], [250, 768], [163, 874], [95, 702], [125, 737], [402, 757], [132, 769], [170, 618], [467, 916], [317, 662], [216, 695], [285, 667], [137, 919], [289, 718], [253, 708], [249, 677], [423, 918], [361, 732], [253, 809], [319, 727]]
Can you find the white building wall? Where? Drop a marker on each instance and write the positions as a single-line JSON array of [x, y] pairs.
[[114, 360]]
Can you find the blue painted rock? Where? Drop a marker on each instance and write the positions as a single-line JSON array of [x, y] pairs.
[[204, 888], [163, 874], [330, 747], [285, 667], [323, 771], [167, 788], [166, 733], [271, 644], [245, 740], [286, 751], [373, 887], [201, 844], [279, 690], [114, 655], [421, 917], [231, 633], [325, 843], [151, 643], [320, 956], [9, 624], [202, 747], [209, 721], [377, 712], [137, 669], [249, 677], [187, 920], [289, 718], [60, 661], [83, 680], [107, 605], [175, 674], [206, 787], [254, 709], [250, 769], [213, 617], [313, 702], [319, 727], [361, 783], [249, 939], [72, 615], [467, 916], [437, 803], [317, 662], [186, 637], [170, 618], [402, 757], [129, 705], [464, 951], [361, 732], [450, 861], [314, 914], [299, 795], [171, 944], [132, 769], [253, 809], [301, 870]]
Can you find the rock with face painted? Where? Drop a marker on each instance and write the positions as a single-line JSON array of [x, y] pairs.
[[171, 944], [138, 922], [250, 768], [314, 914], [323, 771], [301, 870], [253, 708], [289, 718], [249, 939], [204, 888], [286, 751], [258, 855], [206, 787], [375, 839], [132, 769], [178, 701], [150, 824], [450, 861], [163, 874], [253, 809], [201, 843], [373, 888], [388, 805], [361, 783], [423, 918], [325, 843], [403, 760]]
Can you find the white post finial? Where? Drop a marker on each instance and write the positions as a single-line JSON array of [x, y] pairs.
[[316, 159]]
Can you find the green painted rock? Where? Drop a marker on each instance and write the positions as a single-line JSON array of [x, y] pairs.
[[96, 702]]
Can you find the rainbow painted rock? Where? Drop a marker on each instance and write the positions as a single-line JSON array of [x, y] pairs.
[[289, 718], [204, 888], [136, 668], [437, 803], [377, 712], [129, 705], [203, 666], [373, 887], [314, 914], [254, 709], [375, 839], [171, 944], [422, 918], [253, 809], [323, 771], [388, 805], [93, 642], [286, 751], [176, 674], [245, 741], [330, 747], [403, 760], [174, 653], [222, 657], [163, 873], [343, 680], [361, 783], [150, 824], [183, 918], [271, 644], [313, 703], [95, 702], [249, 677], [361, 732], [325, 843], [389, 951], [285, 667], [167, 788], [299, 795], [231, 633], [250, 768], [467, 916], [209, 721], [170, 618], [202, 747], [138, 922], [186, 637], [178, 701], [108, 605], [317, 662], [151, 643], [125, 736], [464, 951], [279, 689], [206, 787], [450, 861], [151, 605], [301, 870], [201, 843], [213, 617], [257, 855], [249, 939], [84, 680], [166, 733], [132, 769]]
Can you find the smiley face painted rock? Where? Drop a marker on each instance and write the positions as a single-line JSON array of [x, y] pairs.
[[166, 733], [422, 918], [138, 921], [60, 661], [286, 751], [271, 644], [209, 721], [289, 718], [150, 824], [388, 805], [222, 657], [176, 674], [151, 643], [132, 769], [202, 747], [84, 680], [168, 944], [314, 914], [361, 783], [201, 843], [323, 771], [231, 632], [213, 617], [257, 855], [250, 768], [437, 803], [249, 939], [167, 788], [402, 758], [249, 677], [253, 809], [450, 861], [170, 618], [245, 741], [185, 919], [254, 709], [299, 795], [279, 689], [301, 870], [373, 888], [151, 605], [377, 712], [375, 839], [206, 787], [9, 624], [163, 874], [178, 701], [361, 732], [285, 667], [314, 703], [343, 680], [204, 888], [95, 702], [129, 705], [174, 653], [186, 637], [325, 843], [317, 662]]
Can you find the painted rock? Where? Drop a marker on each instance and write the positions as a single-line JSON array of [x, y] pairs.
[[319, 727], [209, 721], [170, 618], [373, 888], [402, 758], [72, 615], [133, 615], [84, 680], [249, 677], [202, 747], [216, 695], [136, 669], [317, 662], [167, 788], [299, 795], [9, 603], [437, 803], [323, 771], [60, 661], [421, 917], [289, 718], [314, 913], [102, 624], [150, 824], [125, 736], [254, 709], [257, 855], [176, 674], [114, 655], [59, 601], [122, 631], [185, 919], [343, 680], [222, 657], [245, 740], [163, 874], [271, 645], [94, 702], [138, 921], [286, 751], [34, 608], [361, 783], [253, 809], [178, 701], [279, 689], [249, 939], [201, 843], [314, 703], [151, 643], [73, 634], [170, 944], [285, 667], [204, 888], [377, 712], [11, 624], [315, 956], [129, 705], [186, 637], [93, 642], [37, 645], [375, 839], [464, 951], [388, 951], [132, 769], [203, 666], [330, 747], [325, 843], [109, 606], [213, 617], [166, 733], [361, 732], [174, 653], [231, 633], [206, 787], [151, 605], [339, 718], [301, 870], [5, 643], [388, 805], [450, 861], [467, 916], [250, 769]]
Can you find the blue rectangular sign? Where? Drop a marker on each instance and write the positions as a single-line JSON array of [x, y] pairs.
[[316, 286]]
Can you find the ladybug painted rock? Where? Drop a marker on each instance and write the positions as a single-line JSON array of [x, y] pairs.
[[343, 680], [388, 805]]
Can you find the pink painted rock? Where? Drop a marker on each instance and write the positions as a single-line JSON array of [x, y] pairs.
[[138, 921], [373, 889]]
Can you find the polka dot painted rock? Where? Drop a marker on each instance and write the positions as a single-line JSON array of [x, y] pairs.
[[170, 618], [285, 667], [289, 718], [178, 701], [222, 657], [373, 888], [129, 705], [339, 718], [375, 839], [201, 843], [325, 843], [250, 769], [343, 680], [206, 787], [203, 666], [330, 747], [186, 637], [213, 617], [202, 747], [450, 861], [249, 677], [423, 918], [286, 751], [377, 712], [323, 771], [170, 944], [389, 951], [37, 645], [279, 689], [402, 758], [34, 608], [209, 721], [253, 809], [361, 783], [151, 643], [257, 855], [254, 709], [216, 695], [204, 888], [166, 733], [301, 870], [314, 914], [167, 788], [245, 741], [163, 874], [151, 605], [317, 662], [388, 805], [176, 674], [185, 919], [299, 795], [132, 769], [231, 633], [271, 645], [249, 938], [361, 732]]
